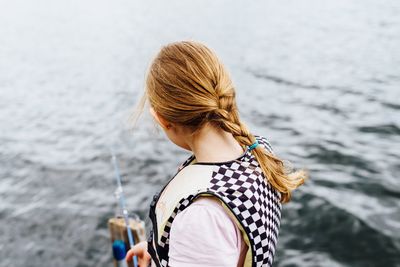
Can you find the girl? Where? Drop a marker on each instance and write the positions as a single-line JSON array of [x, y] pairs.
[[223, 206]]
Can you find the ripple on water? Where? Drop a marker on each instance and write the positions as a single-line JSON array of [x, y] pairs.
[[324, 155], [322, 226], [382, 130]]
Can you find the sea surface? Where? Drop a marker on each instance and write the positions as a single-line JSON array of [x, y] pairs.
[[320, 79]]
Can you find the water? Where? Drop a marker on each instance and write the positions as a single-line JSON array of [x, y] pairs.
[[320, 79]]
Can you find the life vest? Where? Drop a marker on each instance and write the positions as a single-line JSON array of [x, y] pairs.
[[243, 191]]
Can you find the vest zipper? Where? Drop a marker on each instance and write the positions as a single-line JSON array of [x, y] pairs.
[[151, 251], [153, 238]]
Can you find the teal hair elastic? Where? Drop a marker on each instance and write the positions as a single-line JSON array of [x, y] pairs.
[[254, 145]]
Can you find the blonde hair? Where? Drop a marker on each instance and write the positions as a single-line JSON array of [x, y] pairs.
[[187, 84]]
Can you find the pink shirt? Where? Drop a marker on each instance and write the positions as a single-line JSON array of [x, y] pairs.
[[203, 234]]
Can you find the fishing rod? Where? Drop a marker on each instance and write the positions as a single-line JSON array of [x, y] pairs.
[[119, 193]]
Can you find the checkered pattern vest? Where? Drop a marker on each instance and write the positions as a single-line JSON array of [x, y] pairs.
[[242, 190]]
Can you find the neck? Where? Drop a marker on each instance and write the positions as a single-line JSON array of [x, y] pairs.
[[211, 144]]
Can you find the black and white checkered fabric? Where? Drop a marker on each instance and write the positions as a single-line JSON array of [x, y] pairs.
[[255, 203]]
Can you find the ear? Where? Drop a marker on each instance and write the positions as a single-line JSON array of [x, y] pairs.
[[163, 122]]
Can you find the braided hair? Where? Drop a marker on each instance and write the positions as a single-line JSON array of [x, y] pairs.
[[188, 85]]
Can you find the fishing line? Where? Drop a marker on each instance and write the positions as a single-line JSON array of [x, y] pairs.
[[119, 193]]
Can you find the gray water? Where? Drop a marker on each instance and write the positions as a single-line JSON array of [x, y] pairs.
[[320, 79]]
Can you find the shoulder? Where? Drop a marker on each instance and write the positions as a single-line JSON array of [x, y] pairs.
[[207, 215], [204, 235], [204, 230]]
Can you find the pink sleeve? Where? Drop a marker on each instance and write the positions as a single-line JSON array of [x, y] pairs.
[[204, 235]]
